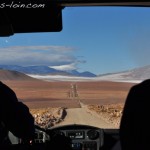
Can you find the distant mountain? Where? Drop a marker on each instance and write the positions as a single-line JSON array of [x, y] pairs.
[[140, 73], [11, 72], [82, 74], [30, 69], [87, 74], [13, 75], [45, 70], [73, 72]]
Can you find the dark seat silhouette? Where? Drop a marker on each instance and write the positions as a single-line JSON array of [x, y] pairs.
[[135, 124], [14, 116]]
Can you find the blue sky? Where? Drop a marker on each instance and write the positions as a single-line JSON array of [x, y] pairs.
[[96, 39]]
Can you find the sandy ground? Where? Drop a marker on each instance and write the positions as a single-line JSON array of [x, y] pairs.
[[75, 97]]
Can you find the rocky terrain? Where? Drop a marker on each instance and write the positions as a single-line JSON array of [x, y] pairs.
[[48, 117], [111, 113]]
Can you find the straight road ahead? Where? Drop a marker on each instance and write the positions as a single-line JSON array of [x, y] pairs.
[[84, 116]]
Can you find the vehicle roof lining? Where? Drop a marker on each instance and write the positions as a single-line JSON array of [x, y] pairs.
[[139, 4], [51, 16]]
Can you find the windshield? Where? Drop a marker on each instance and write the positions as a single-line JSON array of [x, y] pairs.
[[82, 74]]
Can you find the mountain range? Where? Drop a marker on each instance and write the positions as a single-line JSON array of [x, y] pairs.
[[45, 70], [140, 73], [19, 72]]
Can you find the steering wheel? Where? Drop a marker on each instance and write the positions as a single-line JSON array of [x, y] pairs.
[[56, 140]]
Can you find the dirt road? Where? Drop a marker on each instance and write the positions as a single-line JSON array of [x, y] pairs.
[[84, 116]]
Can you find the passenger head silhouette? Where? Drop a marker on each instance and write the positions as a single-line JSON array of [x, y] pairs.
[[135, 122]]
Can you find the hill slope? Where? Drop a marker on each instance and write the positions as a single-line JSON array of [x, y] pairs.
[[141, 73], [13, 75]]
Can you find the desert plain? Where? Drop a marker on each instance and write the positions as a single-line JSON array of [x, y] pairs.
[[104, 98]]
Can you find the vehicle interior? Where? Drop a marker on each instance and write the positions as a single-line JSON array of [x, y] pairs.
[[73, 62]]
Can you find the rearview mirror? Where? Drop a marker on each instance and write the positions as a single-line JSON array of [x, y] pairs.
[[6, 28], [23, 20]]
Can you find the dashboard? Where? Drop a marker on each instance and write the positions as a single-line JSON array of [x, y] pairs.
[[82, 137], [70, 137]]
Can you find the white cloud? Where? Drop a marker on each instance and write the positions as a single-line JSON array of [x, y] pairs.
[[51, 48], [37, 55], [72, 66]]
